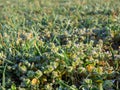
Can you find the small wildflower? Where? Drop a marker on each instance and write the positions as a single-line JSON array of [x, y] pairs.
[[34, 81], [90, 67]]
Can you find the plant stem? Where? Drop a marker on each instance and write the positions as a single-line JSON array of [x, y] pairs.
[[3, 77], [100, 86]]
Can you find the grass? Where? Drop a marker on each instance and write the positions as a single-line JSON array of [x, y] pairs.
[[59, 45]]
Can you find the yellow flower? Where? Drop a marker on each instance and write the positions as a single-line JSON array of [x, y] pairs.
[[90, 67], [34, 81]]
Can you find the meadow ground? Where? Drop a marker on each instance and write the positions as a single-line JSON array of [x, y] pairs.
[[59, 45]]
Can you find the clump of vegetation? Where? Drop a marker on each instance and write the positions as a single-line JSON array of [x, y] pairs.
[[59, 45]]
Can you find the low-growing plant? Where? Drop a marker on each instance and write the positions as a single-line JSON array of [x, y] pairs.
[[59, 45]]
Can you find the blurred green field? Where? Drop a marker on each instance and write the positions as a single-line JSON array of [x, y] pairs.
[[59, 45]]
